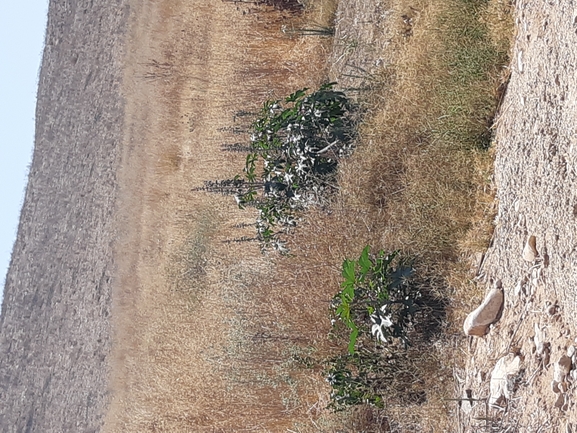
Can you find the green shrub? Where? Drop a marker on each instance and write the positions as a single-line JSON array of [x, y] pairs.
[[375, 378], [376, 297], [296, 145], [378, 304]]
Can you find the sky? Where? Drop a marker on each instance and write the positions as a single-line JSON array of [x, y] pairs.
[[22, 28]]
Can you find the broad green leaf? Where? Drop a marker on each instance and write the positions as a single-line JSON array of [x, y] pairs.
[[353, 338], [364, 261], [349, 270], [348, 293]]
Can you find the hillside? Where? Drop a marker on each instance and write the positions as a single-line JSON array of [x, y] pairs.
[[55, 325]]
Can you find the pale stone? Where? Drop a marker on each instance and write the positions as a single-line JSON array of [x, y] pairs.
[[477, 323], [520, 61], [562, 368], [505, 368], [555, 387], [539, 339], [530, 252], [571, 351]]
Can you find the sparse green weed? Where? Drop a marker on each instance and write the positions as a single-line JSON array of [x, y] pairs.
[[295, 148]]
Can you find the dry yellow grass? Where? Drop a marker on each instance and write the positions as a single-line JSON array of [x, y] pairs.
[[184, 345], [211, 336]]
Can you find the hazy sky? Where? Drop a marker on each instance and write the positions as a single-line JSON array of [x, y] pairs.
[[22, 27]]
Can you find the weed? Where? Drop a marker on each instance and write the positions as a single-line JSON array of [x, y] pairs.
[[296, 145], [379, 304], [376, 290]]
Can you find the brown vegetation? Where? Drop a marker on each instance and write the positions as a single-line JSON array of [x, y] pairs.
[[212, 336]]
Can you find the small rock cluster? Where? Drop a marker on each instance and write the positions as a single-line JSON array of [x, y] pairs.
[[507, 368]]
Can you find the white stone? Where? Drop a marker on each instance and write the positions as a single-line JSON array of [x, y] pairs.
[[477, 323], [530, 252], [520, 61], [539, 339], [562, 368], [505, 368]]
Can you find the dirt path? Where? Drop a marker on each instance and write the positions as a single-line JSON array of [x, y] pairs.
[[536, 178]]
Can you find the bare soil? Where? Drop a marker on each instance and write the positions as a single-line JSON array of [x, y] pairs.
[[536, 180]]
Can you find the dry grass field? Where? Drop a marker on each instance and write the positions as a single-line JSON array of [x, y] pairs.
[[212, 336], [185, 302]]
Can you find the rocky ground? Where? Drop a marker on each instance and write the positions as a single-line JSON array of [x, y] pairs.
[[536, 178]]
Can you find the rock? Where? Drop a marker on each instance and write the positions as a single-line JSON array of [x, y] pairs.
[[555, 387], [571, 352], [560, 402], [504, 370], [562, 368], [539, 340], [530, 252], [477, 323]]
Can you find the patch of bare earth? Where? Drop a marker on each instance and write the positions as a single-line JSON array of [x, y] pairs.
[[536, 180]]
